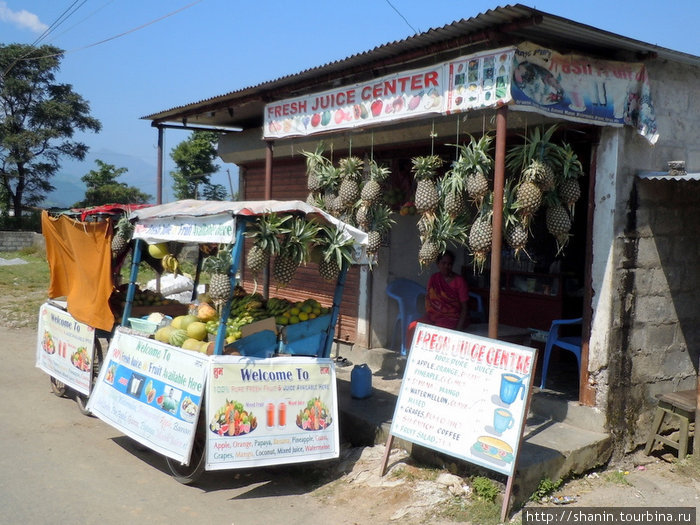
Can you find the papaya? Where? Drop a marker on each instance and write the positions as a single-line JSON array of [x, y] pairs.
[[192, 344], [163, 334], [206, 313]]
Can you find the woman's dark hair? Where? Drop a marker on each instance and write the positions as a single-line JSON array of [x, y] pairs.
[[446, 252]]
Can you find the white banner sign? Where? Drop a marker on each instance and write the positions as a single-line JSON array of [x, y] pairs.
[[152, 392], [210, 229], [271, 411], [65, 348], [464, 395]]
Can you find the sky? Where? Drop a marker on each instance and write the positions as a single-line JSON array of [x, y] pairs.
[[132, 58]]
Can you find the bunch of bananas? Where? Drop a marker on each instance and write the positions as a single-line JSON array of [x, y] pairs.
[[277, 306], [251, 305], [170, 264]]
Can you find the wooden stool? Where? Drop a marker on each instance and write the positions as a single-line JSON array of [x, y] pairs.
[[681, 404]]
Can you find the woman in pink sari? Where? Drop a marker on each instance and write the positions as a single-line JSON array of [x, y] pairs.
[[446, 298]]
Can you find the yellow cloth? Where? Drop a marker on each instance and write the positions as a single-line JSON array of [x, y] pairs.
[[80, 261]]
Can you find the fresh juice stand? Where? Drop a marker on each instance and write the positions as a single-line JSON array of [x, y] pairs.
[[273, 402]]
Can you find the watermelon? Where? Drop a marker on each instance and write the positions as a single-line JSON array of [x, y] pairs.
[[177, 337]]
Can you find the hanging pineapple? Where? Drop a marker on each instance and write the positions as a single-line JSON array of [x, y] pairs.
[[481, 234], [443, 231], [330, 180], [363, 216], [294, 249], [381, 223], [371, 193], [568, 188], [516, 233], [350, 173], [315, 162], [425, 172], [337, 249], [265, 232], [218, 266], [452, 187], [475, 163], [558, 222], [122, 236]]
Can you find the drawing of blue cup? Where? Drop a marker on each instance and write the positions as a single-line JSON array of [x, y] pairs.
[[502, 420], [510, 386]]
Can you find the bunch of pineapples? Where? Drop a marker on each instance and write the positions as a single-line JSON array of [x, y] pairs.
[[294, 249], [121, 238], [265, 233]]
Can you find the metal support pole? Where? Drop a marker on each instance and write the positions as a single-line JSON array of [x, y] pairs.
[[159, 169], [131, 291], [497, 220], [269, 150]]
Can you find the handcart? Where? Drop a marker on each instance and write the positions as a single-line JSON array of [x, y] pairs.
[[266, 398]]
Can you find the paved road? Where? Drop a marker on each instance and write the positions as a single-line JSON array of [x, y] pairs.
[[60, 466]]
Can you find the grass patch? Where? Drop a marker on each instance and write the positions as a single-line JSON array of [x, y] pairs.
[[546, 487], [23, 288], [479, 511], [689, 467], [618, 477]]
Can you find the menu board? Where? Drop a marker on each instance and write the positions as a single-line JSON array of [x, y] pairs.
[[152, 392], [65, 348], [465, 395], [270, 411]]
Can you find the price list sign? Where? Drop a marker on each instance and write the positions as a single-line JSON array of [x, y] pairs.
[[465, 395]]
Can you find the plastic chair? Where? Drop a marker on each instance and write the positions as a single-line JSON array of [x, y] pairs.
[[570, 343], [476, 315], [406, 293]]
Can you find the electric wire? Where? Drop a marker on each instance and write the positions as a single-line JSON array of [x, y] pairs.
[[403, 17]]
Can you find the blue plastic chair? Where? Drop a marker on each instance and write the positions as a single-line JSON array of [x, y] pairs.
[[570, 343], [477, 315], [406, 293]]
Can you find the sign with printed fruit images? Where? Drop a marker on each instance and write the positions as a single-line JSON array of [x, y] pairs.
[[65, 348], [408, 94], [270, 411], [465, 395], [151, 391]]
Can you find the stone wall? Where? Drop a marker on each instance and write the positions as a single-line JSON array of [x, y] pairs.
[[645, 281], [16, 241]]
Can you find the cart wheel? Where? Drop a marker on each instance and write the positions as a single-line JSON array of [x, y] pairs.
[[82, 399], [57, 387], [188, 474]]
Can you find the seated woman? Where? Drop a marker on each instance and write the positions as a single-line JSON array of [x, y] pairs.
[[446, 298]]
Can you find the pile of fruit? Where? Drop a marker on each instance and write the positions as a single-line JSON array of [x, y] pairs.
[[191, 331]]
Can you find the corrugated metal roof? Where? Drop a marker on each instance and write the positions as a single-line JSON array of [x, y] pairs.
[[663, 175], [514, 22]]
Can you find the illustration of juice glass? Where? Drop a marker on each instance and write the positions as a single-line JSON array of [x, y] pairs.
[[282, 414], [270, 415]]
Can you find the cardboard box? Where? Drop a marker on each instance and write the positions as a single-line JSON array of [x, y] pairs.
[[259, 326]]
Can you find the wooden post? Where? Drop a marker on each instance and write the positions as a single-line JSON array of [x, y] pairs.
[[497, 222]]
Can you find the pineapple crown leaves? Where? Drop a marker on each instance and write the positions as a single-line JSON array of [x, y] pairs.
[[381, 219], [474, 156], [296, 242], [378, 172], [336, 245], [330, 177], [350, 167], [425, 167], [446, 230], [266, 230], [452, 182], [315, 161], [570, 164], [124, 227], [220, 262], [536, 146]]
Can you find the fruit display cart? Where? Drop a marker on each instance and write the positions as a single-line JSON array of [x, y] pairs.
[[241, 380]]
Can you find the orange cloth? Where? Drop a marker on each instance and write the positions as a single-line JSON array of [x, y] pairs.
[[80, 261]]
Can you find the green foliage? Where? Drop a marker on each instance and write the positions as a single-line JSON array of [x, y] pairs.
[[38, 118], [546, 487], [103, 187], [194, 159], [484, 488], [618, 477]]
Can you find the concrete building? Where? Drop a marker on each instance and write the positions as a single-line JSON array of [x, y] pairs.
[[630, 266]]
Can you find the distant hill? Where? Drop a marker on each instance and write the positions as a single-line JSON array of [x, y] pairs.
[[70, 189]]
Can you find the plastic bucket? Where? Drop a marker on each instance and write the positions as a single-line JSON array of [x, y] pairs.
[[361, 382]]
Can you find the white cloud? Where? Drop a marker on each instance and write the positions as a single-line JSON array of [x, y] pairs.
[[22, 19]]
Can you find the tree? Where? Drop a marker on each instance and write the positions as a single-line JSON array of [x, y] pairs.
[[194, 159], [103, 188], [38, 117]]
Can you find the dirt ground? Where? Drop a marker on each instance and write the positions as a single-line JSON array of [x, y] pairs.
[[355, 494]]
